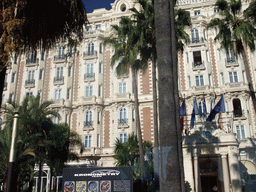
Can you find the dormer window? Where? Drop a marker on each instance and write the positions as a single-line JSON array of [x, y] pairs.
[[123, 8]]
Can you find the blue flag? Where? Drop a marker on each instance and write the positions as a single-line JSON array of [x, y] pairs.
[[195, 107], [183, 109], [193, 118], [204, 108], [219, 108]]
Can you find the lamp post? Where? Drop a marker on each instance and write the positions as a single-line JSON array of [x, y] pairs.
[[11, 186]]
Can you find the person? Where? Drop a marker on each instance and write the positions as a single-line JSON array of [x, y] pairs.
[[215, 188]]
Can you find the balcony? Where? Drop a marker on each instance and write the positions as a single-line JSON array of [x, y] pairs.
[[199, 65], [88, 126], [58, 80], [89, 77], [30, 83], [90, 55], [239, 115], [231, 62], [60, 58], [32, 62], [123, 123], [197, 41]]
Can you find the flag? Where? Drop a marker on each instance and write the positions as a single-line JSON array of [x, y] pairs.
[[204, 108], [183, 109], [193, 118], [219, 108], [195, 107], [182, 114]]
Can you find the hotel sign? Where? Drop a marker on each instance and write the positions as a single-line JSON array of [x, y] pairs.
[[116, 179]]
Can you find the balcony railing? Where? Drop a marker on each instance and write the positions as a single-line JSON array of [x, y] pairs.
[[123, 122], [90, 54], [199, 65], [34, 61], [60, 57], [30, 83], [231, 62], [89, 76], [88, 124], [59, 80]]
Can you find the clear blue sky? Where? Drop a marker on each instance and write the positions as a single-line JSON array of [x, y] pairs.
[[96, 4]]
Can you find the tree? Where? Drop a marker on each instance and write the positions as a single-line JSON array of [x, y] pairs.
[[60, 149], [170, 134], [126, 54], [236, 33], [28, 24], [127, 153]]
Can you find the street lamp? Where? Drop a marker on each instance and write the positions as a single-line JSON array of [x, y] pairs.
[[11, 179]]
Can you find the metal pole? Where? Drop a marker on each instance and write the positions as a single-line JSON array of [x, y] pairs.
[[11, 186]]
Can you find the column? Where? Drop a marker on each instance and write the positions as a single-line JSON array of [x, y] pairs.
[[225, 171], [196, 171], [234, 172]]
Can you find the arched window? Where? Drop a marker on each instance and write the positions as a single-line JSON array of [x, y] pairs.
[[61, 52], [33, 56], [122, 116], [90, 48], [194, 36], [88, 119], [237, 108]]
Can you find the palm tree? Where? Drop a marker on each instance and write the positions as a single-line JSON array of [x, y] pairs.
[[26, 24], [60, 144], [170, 142], [236, 33]]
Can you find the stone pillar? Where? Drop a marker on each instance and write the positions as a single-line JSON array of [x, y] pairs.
[[225, 171], [188, 168], [196, 172], [234, 172]]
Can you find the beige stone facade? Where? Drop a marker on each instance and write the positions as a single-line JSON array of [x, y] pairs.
[[99, 105]]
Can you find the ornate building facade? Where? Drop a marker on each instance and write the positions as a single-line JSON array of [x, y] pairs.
[[99, 105]]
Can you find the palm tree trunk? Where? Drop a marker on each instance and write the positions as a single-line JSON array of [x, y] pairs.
[[155, 108], [248, 76], [2, 79], [170, 177], [176, 93], [139, 135]]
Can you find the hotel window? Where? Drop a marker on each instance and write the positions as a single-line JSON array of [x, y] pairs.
[[42, 55], [216, 10], [11, 97], [122, 117], [59, 73], [56, 120], [230, 57], [240, 132], [57, 94], [41, 74], [15, 59], [101, 47], [100, 67], [89, 69], [68, 93], [98, 118], [237, 108], [88, 91], [69, 71], [100, 90], [98, 27], [233, 78], [13, 78], [197, 58], [189, 82], [61, 52], [33, 56], [123, 137], [187, 57], [88, 118], [197, 12], [199, 80], [98, 140], [29, 94], [90, 49], [122, 87], [89, 28], [194, 36], [88, 141], [222, 78]]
